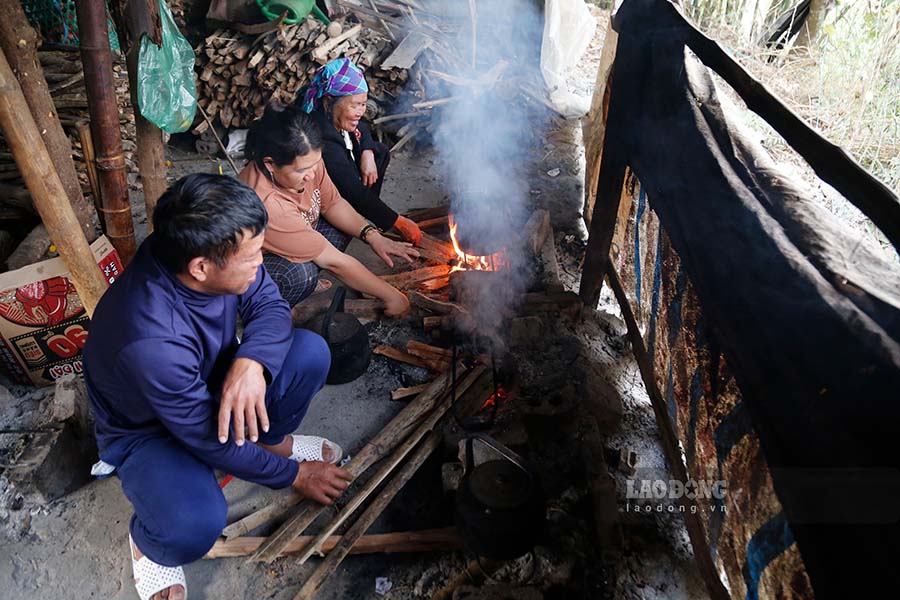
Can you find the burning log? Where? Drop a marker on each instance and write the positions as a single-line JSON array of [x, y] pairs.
[[403, 280], [424, 214], [428, 540], [435, 306]]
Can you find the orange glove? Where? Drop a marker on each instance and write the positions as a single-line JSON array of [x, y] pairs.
[[408, 229]]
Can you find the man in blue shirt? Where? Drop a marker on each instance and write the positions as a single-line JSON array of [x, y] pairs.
[[173, 390]]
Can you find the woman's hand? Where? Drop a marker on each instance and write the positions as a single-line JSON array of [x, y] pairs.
[[408, 229], [367, 168], [397, 305], [386, 248]]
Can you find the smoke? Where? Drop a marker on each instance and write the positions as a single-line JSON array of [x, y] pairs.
[[483, 141]]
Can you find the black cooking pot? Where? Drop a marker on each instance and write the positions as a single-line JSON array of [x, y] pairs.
[[347, 339], [500, 508]]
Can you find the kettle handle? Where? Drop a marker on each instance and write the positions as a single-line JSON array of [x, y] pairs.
[[337, 305], [500, 449]]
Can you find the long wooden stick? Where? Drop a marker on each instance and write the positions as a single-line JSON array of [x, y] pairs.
[[218, 139], [427, 540], [47, 191], [390, 464], [356, 531], [389, 437], [262, 516]]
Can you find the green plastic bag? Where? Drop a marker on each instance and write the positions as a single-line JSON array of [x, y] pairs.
[[167, 92]]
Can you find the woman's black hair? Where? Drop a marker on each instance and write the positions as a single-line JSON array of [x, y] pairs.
[[204, 215], [283, 133]]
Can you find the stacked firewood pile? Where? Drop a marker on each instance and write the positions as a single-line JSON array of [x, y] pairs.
[[414, 61], [240, 73]]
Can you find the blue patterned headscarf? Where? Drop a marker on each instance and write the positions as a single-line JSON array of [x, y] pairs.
[[340, 77]]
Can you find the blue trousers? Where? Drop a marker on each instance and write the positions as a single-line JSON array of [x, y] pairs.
[[179, 509]]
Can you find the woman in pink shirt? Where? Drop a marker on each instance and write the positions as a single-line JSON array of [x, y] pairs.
[[310, 224]]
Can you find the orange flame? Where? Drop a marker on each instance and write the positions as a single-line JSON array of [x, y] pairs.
[[466, 261], [500, 396]]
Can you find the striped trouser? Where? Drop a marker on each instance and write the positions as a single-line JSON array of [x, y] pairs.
[[296, 281]]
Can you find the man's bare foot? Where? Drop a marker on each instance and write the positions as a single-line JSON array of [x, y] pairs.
[[286, 446], [175, 592]]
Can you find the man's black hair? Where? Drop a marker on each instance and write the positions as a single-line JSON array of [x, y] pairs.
[[204, 215], [283, 133]]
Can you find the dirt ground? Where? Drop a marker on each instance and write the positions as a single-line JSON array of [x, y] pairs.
[[76, 546]]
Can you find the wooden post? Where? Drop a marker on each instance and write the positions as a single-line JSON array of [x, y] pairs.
[[46, 189], [98, 78], [134, 20], [19, 41], [594, 126], [609, 193]]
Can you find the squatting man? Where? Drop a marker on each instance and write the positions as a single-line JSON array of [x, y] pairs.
[[176, 395]]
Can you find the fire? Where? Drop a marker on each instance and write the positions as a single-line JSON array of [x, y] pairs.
[[500, 397], [466, 261]]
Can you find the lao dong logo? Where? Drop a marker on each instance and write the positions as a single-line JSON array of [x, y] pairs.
[[675, 496]]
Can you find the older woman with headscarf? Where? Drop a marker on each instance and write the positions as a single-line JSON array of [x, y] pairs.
[[356, 162]]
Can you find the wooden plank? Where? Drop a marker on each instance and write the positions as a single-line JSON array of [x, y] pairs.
[[593, 127], [427, 540], [609, 193], [405, 54], [407, 278]]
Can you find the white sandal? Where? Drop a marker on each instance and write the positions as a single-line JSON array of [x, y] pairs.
[[309, 447], [151, 578]]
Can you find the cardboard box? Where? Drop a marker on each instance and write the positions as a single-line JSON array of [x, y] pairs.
[[43, 325]]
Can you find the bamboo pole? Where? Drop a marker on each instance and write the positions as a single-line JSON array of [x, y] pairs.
[[377, 448], [389, 465], [135, 19], [19, 41], [47, 191], [337, 555], [98, 78], [87, 149]]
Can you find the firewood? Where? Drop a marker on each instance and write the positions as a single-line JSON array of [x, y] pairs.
[[435, 306], [405, 357], [428, 540], [429, 323], [536, 231], [423, 214], [423, 350], [435, 222], [407, 392], [403, 280]]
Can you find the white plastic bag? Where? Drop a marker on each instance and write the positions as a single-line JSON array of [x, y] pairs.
[[568, 29]]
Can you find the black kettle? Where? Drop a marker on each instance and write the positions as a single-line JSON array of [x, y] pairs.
[[347, 339], [500, 507]]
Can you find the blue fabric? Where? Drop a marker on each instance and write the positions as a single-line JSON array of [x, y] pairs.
[[156, 356], [338, 78], [179, 509]]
